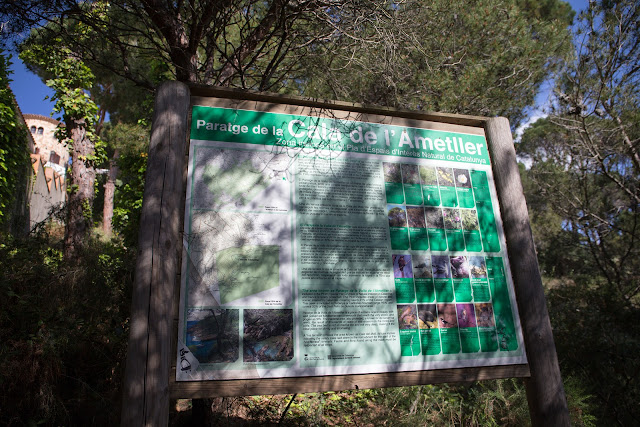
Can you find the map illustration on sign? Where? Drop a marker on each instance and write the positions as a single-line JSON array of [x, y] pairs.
[[241, 180], [235, 243], [315, 245]]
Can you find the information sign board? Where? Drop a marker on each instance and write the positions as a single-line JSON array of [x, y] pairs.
[[321, 242]]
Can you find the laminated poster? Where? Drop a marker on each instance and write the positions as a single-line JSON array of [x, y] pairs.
[[322, 246]]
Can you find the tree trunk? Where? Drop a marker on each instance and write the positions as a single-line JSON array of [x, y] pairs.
[[80, 201], [109, 192]]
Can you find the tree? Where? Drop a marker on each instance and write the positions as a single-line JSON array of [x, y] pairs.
[[483, 57], [242, 43], [69, 79], [583, 188], [128, 144], [245, 43], [585, 156]]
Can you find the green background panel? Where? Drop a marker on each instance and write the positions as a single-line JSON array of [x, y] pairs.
[[413, 194], [469, 340], [298, 135], [479, 179], [431, 195], [448, 196], [462, 290], [465, 197], [437, 239], [399, 238], [481, 194], [487, 221], [409, 342], [419, 238], [405, 292], [505, 326], [430, 340], [480, 290], [444, 290], [450, 340], [425, 292], [488, 339], [495, 267], [472, 240], [394, 192], [455, 240], [504, 317]]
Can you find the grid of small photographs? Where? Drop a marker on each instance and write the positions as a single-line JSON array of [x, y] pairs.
[[442, 230], [267, 335], [439, 209]]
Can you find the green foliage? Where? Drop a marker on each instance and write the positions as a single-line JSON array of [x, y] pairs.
[[598, 342], [129, 192], [14, 155], [483, 57], [583, 192], [591, 268], [63, 329], [579, 209], [487, 403], [70, 79]]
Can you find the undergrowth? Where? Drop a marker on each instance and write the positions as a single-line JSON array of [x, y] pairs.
[[63, 336], [487, 403], [63, 331]]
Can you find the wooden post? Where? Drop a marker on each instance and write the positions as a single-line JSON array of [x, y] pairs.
[[545, 392], [146, 384]]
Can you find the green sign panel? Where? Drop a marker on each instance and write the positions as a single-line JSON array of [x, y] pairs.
[[325, 246], [261, 128]]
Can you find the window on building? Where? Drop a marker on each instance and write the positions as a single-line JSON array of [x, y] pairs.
[[40, 131], [33, 129], [54, 158]]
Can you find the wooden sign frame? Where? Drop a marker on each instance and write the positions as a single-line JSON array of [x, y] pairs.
[[150, 366]]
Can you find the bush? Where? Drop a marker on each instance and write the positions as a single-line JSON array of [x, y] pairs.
[[14, 157], [63, 329], [598, 341]]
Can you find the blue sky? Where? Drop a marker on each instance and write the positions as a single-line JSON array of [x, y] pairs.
[[30, 91]]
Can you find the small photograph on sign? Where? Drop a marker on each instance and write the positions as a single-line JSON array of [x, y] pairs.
[[434, 217], [422, 267], [462, 178], [448, 315], [452, 219], [268, 335], [392, 172], [410, 174], [484, 315], [397, 216], [478, 267], [440, 266], [470, 219], [212, 335], [466, 315], [427, 316], [402, 266], [428, 175], [415, 215], [407, 317], [459, 267], [445, 177]]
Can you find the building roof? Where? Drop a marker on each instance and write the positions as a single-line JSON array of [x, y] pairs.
[[40, 117]]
